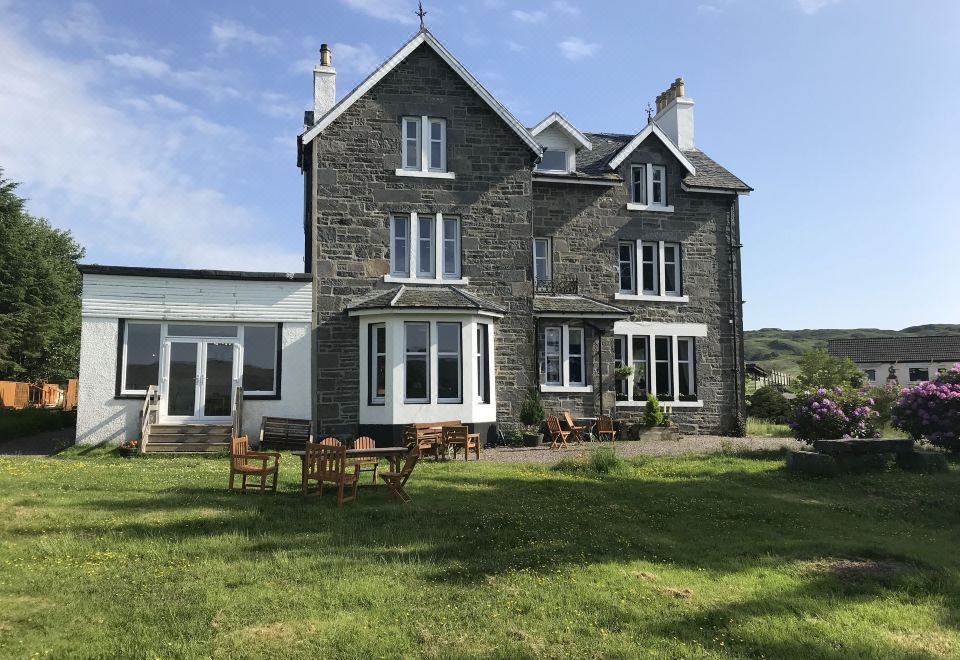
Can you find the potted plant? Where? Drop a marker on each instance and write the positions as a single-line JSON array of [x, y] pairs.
[[623, 373], [652, 414], [532, 417], [129, 448]]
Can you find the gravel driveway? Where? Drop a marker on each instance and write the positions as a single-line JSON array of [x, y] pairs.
[[691, 444]]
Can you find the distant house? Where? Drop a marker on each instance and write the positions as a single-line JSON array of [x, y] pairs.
[[909, 359]]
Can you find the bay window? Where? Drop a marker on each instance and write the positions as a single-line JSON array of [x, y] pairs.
[[564, 358], [417, 362], [448, 362], [424, 247]]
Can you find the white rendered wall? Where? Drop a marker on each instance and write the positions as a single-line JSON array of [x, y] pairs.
[[903, 370], [101, 417]]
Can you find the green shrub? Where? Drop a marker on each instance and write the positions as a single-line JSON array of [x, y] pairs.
[[652, 415], [28, 421], [769, 404], [531, 412], [884, 397]]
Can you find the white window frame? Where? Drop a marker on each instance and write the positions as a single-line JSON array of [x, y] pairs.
[[413, 274], [431, 242], [675, 333], [634, 361], [405, 222], [459, 355], [547, 258], [242, 336], [676, 266], [442, 223], [655, 291], [375, 351], [631, 263], [424, 168], [572, 331], [564, 384], [566, 161], [427, 360], [669, 360], [558, 356], [647, 203], [689, 365]]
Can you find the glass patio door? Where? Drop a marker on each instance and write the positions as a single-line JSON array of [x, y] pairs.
[[198, 381]]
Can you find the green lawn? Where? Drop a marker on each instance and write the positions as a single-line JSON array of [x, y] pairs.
[[726, 556]]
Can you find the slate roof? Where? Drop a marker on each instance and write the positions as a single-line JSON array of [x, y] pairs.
[[573, 304], [897, 349], [426, 297], [710, 174], [193, 273]]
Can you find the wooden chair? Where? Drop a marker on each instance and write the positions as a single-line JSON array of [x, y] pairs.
[[284, 433], [455, 437], [558, 437], [605, 428], [327, 463], [397, 480], [330, 441], [473, 442], [575, 431], [241, 459], [364, 442]]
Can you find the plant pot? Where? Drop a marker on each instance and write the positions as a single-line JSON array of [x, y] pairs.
[[532, 439], [128, 452]]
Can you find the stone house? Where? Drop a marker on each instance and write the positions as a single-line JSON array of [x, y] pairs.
[[461, 260]]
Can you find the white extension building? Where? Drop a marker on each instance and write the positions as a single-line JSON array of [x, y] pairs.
[[196, 336], [899, 360]]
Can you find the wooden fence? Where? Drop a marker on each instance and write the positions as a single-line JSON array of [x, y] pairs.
[[18, 395]]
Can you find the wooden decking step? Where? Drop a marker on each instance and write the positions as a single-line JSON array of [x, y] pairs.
[[189, 438]]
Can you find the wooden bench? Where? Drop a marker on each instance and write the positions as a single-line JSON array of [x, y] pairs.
[[285, 433]]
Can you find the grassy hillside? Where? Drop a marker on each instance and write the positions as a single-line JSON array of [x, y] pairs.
[[773, 348]]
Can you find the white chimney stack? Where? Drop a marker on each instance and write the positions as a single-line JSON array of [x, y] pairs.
[[324, 84], [675, 115]]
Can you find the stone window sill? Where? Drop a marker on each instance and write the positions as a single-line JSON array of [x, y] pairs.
[[665, 404], [582, 389], [399, 279], [649, 207], [426, 174], [649, 298]]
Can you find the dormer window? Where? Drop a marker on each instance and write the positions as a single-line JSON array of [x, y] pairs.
[[424, 147], [553, 160], [648, 188]]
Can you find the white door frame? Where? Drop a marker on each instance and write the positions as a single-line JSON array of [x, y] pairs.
[[200, 382]]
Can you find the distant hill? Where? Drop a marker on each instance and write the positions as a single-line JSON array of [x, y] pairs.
[[773, 348]]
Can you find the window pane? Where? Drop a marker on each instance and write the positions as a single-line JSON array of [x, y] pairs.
[[553, 160], [378, 343], [259, 357], [639, 185], [639, 368], [201, 330], [919, 374], [425, 246], [683, 351], [626, 267], [448, 337], [448, 377], [664, 384], [412, 126], [436, 130], [576, 341], [418, 337], [416, 385], [483, 364], [143, 355], [436, 161], [552, 355], [451, 240]]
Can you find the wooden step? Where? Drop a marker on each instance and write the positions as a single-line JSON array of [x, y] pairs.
[[194, 447], [189, 438]]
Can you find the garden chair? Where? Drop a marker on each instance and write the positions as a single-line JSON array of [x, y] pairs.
[[396, 481], [365, 442], [459, 437], [325, 463], [558, 437], [575, 431], [605, 428], [330, 441], [241, 462]]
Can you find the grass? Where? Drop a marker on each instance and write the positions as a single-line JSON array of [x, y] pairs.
[[761, 428], [697, 557], [28, 421]]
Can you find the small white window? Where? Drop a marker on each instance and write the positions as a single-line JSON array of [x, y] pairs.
[[671, 269], [627, 259], [552, 355], [541, 259], [639, 184], [438, 145], [650, 268], [553, 160], [399, 246], [575, 368], [451, 248], [425, 258], [658, 185], [411, 143]]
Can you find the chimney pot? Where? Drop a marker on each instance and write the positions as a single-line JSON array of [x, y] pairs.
[[326, 57], [680, 86]]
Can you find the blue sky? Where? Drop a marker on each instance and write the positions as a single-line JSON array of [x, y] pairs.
[[162, 133]]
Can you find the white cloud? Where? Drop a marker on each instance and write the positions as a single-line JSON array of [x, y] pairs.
[[397, 11], [813, 6], [227, 33], [117, 179], [279, 106], [360, 59], [213, 82], [528, 16], [81, 24], [575, 48], [157, 102], [566, 8]]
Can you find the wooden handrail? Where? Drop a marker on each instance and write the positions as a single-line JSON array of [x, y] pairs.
[[237, 411], [151, 403]]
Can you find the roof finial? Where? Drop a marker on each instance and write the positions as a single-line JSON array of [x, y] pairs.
[[649, 113], [421, 14]]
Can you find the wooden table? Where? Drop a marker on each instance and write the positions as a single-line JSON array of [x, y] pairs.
[[392, 454]]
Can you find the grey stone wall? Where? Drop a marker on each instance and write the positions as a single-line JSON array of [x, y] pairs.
[[356, 192], [587, 222]]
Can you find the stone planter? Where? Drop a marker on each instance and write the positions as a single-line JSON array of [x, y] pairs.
[[532, 439], [128, 452]]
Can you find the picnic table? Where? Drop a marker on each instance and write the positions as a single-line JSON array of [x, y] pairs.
[[392, 454]]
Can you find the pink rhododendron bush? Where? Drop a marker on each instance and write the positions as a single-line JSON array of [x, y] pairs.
[[833, 414], [931, 410]]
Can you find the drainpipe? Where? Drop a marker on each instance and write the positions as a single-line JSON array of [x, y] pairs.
[[733, 256]]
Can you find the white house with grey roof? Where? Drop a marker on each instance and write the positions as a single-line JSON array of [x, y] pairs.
[[899, 360]]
